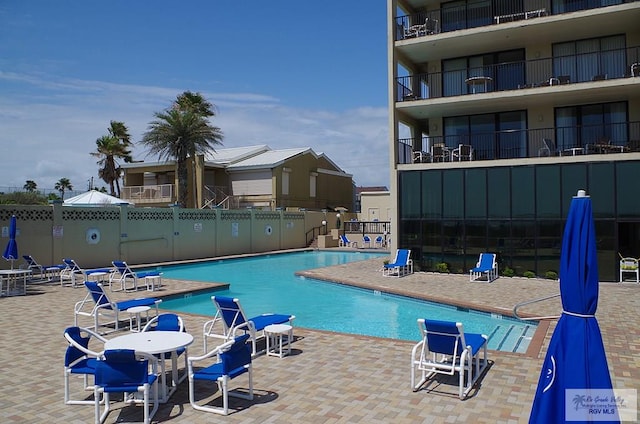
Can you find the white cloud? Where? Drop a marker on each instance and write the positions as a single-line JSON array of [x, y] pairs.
[[49, 127]]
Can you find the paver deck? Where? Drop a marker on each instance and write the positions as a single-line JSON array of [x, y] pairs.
[[329, 378]]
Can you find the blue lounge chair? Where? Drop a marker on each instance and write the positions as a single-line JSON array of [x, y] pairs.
[[47, 271], [486, 267], [233, 360], [446, 349], [402, 264], [231, 317], [97, 304], [73, 272], [122, 273], [345, 242]]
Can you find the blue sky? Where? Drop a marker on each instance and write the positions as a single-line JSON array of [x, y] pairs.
[[285, 73]]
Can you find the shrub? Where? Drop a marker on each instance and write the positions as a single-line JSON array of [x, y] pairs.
[[551, 275], [508, 272], [529, 274], [442, 267]]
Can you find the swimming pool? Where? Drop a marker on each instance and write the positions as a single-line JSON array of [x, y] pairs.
[[268, 284]]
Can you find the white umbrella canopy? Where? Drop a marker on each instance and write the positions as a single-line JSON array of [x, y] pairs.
[[95, 198]]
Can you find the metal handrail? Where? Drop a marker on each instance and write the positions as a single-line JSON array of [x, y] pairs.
[[528, 302]]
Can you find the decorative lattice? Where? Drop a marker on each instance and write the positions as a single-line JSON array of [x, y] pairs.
[[70, 213], [40, 214], [204, 215], [293, 215], [267, 216], [236, 216], [149, 214]]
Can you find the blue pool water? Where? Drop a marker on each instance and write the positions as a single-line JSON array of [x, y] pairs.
[[268, 284]]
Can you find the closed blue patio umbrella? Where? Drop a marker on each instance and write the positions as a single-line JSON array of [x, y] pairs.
[[576, 357], [11, 251]]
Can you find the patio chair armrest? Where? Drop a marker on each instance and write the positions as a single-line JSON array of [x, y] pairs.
[[217, 350]]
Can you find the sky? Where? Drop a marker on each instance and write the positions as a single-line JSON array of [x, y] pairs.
[[285, 73]]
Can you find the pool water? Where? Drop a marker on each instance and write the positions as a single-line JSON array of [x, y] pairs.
[[268, 284]]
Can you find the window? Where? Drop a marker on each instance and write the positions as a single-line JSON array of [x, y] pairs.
[[584, 59], [506, 70], [312, 184], [493, 136], [463, 14], [285, 180], [578, 126]]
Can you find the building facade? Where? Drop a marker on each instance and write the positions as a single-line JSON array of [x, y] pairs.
[[244, 177], [499, 112]]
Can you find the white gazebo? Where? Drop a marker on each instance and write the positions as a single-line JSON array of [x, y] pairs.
[[95, 198]]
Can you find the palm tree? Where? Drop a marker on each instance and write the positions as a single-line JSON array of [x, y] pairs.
[[196, 103], [109, 149], [182, 132], [30, 186], [62, 185]]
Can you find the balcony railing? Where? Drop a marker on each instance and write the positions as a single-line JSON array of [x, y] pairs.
[[163, 193], [511, 144], [569, 69], [486, 12]]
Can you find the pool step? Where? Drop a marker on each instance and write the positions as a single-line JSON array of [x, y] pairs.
[[512, 340]]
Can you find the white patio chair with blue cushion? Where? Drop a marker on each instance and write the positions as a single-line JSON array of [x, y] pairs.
[[446, 349], [126, 371], [402, 264], [379, 241], [230, 317], [233, 360], [487, 267], [80, 360], [97, 304], [169, 322], [366, 241], [121, 273]]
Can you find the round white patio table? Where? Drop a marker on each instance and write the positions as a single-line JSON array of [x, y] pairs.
[[279, 336], [156, 342]]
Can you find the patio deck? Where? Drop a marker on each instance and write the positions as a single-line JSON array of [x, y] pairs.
[[329, 378]]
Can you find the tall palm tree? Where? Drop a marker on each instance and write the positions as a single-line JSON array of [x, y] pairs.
[[195, 102], [62, 185], [110, 148], [30, 186], [179, 133]]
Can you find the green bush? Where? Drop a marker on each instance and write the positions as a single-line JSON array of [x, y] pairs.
[[442, 267], [551, 275], [529, 274], [508, 272]]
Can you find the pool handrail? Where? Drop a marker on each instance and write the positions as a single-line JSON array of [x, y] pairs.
[[528, 302]]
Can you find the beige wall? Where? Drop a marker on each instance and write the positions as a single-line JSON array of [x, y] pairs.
[[94, 236], [375, 205]]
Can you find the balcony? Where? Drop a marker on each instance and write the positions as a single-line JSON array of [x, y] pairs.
[[149, 194], [545, 72], [516, 144], [485, 13]]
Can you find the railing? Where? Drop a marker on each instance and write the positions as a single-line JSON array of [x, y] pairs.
[[595, 66], [484, 13], [315, 232], [367, 227], [529, 302], [148, 193], [215, 197], [510, 144]]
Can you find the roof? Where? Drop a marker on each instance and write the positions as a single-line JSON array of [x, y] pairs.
[[270, 158]]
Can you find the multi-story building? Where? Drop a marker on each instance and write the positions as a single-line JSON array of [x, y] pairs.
[[244, 177], [500, 110]]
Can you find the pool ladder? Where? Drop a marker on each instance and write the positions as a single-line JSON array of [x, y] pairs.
[[529, 302]]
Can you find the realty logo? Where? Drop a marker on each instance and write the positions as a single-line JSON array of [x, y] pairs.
[[600, 404]]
